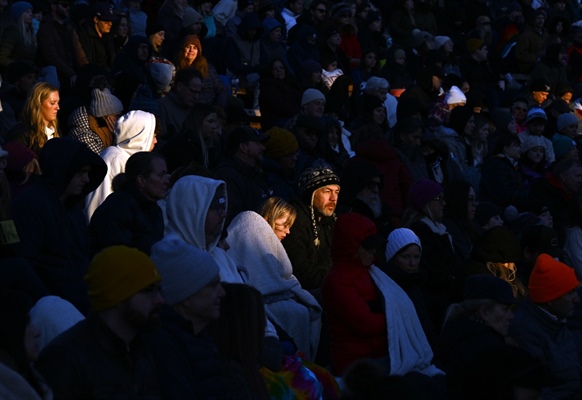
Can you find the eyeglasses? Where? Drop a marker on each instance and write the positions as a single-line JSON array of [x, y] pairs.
[[440, 198]]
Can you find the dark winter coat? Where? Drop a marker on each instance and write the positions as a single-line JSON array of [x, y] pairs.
[[501, 183], [99, 50], [310, 262], [89, 361], [128, 218]]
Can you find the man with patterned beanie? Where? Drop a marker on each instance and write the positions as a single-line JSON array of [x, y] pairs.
[[309, 243], [540, 326], [105, 355]]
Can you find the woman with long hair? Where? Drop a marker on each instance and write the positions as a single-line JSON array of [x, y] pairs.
[[257, 247], [459, 216], [190, 55], [198, 142], [18, 40], [121, 31], [277, 83], [369, 66], [39, 117], [130, 216]]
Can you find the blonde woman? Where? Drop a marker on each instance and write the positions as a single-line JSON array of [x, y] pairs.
[[39, 117], [280, 215], [19, 40]]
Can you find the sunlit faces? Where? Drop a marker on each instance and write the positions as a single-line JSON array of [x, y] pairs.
[[155, 185], [278, 70], [210, 126], [102, 27], [325, 199], [190, 52], [77, 183], [158, 38], [535, 154], [567, 97], [408, 259], [49, 108], [540, 97], [142, 310], [282, 226], [497, 316]]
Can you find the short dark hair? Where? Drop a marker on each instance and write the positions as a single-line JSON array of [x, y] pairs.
[[505, 141]]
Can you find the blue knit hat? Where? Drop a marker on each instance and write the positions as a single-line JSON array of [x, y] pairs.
[[18, 8], [270, 23]]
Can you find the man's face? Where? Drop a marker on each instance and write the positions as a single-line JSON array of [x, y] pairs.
[[254, 151], [572, 179], [204, 305], [563, 307], [540, 97], [325, 199], [370, 195], [275, 35], [77, 183], [143, 51], [319, 12], [62, 10], [142, 310], [188, 94], [215, 216], [101, 26], [308, 137], [519, 111], [315, 108], [296, 7]]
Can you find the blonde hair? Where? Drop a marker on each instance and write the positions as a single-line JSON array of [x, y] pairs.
[[274, 208], [507, 272], [26, 31], [31, 115]]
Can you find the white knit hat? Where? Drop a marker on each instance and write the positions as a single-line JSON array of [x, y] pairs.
[[532, 141], [185, 269], [311, 95], [455, 95], [399, 239], [104, 103]]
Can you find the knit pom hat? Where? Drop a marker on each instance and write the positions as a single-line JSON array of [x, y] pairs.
[[532, 141], [550, 279], [311, 95], [316, 177], [423, 191], [565, 120], [117, 273], [18, 8], [161, 72], [455, 95], [440, 40], [104, 103], [562, 145], [280, 144], [535, 113], [185, 269], [399, 239]]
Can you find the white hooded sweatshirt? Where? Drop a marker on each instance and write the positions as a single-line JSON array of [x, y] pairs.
[[134, 132]]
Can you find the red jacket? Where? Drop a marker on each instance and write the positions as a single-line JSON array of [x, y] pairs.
[[356, 317]]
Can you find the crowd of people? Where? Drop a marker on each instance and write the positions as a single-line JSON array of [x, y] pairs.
[[290, 199]]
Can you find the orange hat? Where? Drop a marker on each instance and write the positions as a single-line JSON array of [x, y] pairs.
[[550, 279]]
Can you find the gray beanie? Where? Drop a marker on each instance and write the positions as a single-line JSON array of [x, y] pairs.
[[311, 95], [185, 269], [399, 239], [103, 103]]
